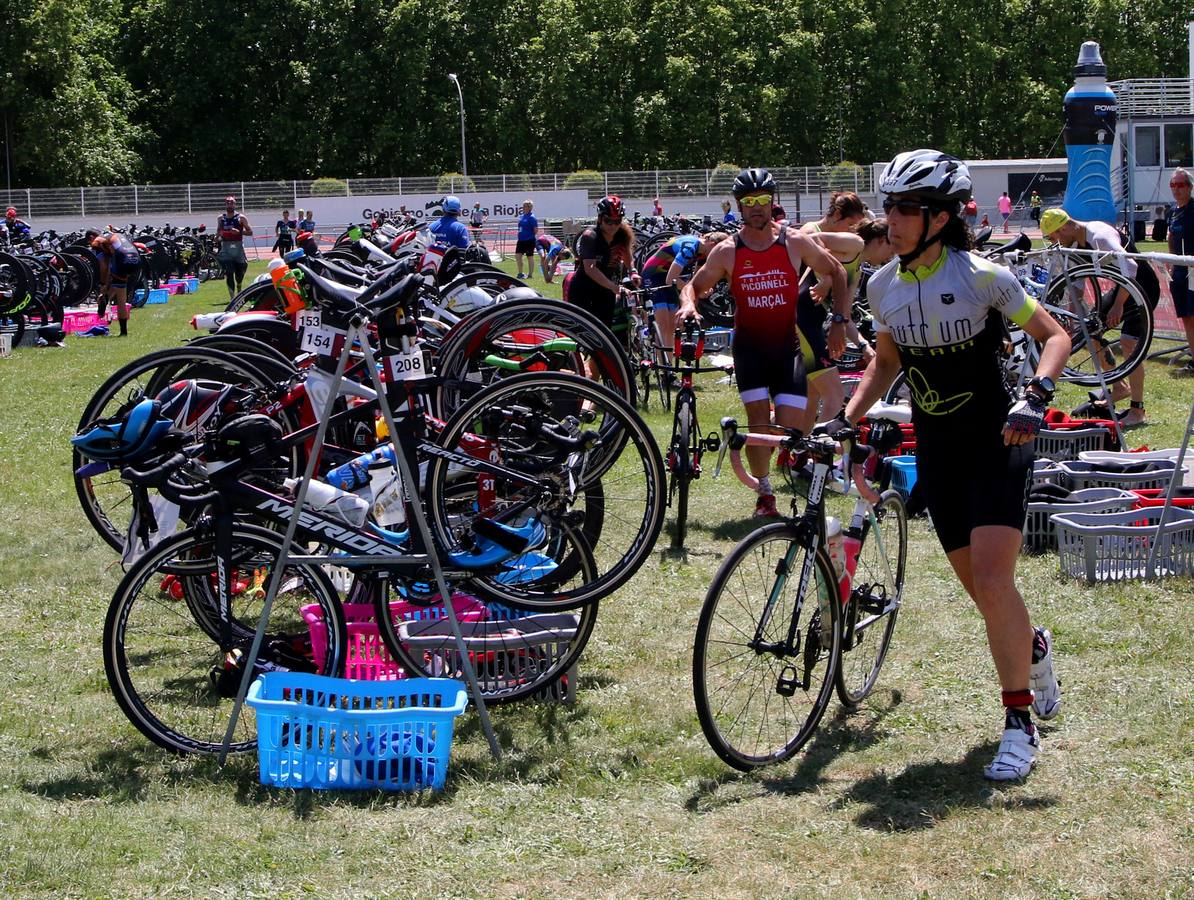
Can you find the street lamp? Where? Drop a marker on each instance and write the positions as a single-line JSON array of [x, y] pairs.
[[463, 155]]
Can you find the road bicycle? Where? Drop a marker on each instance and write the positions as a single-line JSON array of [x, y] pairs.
[[790, 614]]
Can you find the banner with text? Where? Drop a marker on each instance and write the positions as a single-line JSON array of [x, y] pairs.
[[496, 205]]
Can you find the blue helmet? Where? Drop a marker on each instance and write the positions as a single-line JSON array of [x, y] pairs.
[[452, 205], [126, 438]]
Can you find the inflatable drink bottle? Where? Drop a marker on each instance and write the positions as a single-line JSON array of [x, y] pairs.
[[1090, 114]]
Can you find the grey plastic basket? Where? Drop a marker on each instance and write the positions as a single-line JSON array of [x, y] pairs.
[[1039, 533], [1115, 546], [1062, 444], [520, 645], [1045, 471], [1078, 475]]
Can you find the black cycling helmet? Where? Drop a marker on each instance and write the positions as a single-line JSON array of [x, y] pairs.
[[753, 181], [611, 206]]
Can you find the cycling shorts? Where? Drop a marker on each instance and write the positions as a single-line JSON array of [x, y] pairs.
[[125, 268], [775, 373], [590, 298], [966, 486], [663, 296], [1183, 298], [810, 323], [1133, 324]]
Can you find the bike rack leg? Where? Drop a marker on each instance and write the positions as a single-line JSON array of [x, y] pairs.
[[1098, 364]]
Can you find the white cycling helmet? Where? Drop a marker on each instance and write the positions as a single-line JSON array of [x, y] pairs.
[[927, 173]]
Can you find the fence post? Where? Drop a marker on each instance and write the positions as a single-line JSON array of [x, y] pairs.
[[28, 203], [708, 182], [347, 187], [136, 203], [189, 210], [656, 182], [555, 181], [399, 185], [503, 184], [294, 187], [242, 195], [82, 202], [605, 177]]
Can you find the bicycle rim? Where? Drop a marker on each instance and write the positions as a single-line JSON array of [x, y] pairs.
[[878, 582], [1080, 301], [682, 460], [741, 700], [172, 680]]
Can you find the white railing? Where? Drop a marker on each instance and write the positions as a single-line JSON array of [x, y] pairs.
[[133, 202], [1154, 96]]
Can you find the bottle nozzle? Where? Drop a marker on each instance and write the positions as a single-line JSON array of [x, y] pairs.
[[1090, 60]]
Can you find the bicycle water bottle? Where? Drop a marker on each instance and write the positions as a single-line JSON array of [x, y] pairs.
[[333, 502], [1090, 116], [834, 540], [374, 477]]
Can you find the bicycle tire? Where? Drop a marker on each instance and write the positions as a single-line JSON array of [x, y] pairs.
[[271, 361], [261, 296], [626, 462], [15, 325], [742, 587], [474, 336], [681, 461], [146, 376], [864, 651], [509, 666], [165, 682], [1079, 367]]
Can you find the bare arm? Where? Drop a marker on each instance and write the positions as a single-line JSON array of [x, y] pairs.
[[594, 271], [719, 265], [245, 227], [801, 247], [876, 379]]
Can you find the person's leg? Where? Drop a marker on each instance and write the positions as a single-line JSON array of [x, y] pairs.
[[120, 298], [241, 268], [665, 324], [1188, 325], [992, 556], [230, 277]]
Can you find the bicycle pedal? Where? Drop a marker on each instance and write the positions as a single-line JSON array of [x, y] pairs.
[[788, 681]]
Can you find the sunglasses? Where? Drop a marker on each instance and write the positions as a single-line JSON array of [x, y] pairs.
[[904, 207], [756, 200], [607, 217], [1184, 184]]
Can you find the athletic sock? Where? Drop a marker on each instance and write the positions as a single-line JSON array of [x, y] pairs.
[[765, 486], [124, 327], [1020, 720], [1039, 647]]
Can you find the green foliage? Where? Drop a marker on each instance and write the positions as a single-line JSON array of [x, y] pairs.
[[454, 183], [329, 187], [721, 178], [845, 176], [283, 89], [588, 179]]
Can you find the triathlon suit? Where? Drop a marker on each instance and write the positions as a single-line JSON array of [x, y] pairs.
[[946, 322], [232, 250], [811, 317], [681, 250], [614, 262], [285, 229], [766, 349], [1101, 236], [124, 261]]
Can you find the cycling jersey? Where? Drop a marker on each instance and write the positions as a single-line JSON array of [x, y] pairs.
[[549, 246], [1101, 236], [451, 231], [613, 259], [17, 228], [229, 228], [680, 250]]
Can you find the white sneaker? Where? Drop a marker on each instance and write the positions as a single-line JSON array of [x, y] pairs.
[[1045, 685], [1016, 754]]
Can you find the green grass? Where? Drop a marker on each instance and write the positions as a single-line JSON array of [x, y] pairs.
[[618, 795]]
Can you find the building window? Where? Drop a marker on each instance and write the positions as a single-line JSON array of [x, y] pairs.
[[1148, 145], [1179, 147]]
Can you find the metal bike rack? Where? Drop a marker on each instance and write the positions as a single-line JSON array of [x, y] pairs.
[[1175, 479], [358, 333]]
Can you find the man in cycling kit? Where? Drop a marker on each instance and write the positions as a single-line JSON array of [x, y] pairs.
[[663, 271], [18, 229], [1118, 308], [448, 229], [762, 264], [120, 268], [551, 251], [231, 230], [937, 315]]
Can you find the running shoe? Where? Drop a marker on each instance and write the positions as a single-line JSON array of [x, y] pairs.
[[1044, 683], [765, 507], [1015, 756]]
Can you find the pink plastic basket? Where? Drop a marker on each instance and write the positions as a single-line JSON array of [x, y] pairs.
[[80, 320], [367, 657]]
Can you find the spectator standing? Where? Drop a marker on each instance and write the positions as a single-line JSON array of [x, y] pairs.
[[306, 220], [1005, 209], [657, 207], [448, 229], [970, 213], [1181, 241], [528, 228], [1034, 207], [476, 219], [727, 214]]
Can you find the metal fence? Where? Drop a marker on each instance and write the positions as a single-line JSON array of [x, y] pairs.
[[136, 201]]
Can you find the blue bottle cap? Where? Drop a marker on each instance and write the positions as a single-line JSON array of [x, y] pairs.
[[295, 255]]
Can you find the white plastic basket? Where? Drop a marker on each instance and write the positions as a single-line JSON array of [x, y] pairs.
[[1039, 533], [1067, 443], [1097, 456], [1115, 546], [1078, 475]]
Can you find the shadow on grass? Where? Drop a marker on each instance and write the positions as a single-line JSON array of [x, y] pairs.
[[925, 793], [841, 732]]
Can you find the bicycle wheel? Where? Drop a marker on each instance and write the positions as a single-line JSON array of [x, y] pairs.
[[679, 460], [875, 592], [271, 361], [105, 499], [515, 654], [610, 493], [1083, 299], [759, 699], [171, 678]]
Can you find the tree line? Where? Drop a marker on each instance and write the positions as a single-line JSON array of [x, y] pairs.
[[221, 90]]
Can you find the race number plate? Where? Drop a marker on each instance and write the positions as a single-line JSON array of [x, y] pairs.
[[318, 338], [405, 366]]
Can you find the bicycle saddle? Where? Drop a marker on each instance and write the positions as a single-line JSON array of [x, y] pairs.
[[892, 412]]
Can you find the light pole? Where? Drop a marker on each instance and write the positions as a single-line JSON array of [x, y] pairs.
[[463, 154]]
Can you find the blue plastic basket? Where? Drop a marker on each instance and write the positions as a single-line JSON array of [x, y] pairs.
[[903, 474], [330, 733], [157, 295]]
